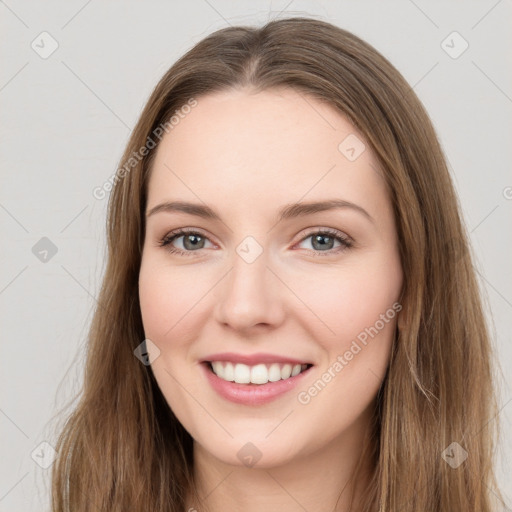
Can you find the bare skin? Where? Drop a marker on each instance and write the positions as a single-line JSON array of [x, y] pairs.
[[246, 155]]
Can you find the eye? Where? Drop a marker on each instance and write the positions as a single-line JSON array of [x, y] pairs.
[[192, 241], [323, 241]]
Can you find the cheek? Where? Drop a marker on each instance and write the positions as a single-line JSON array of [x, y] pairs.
[[360, 306], [348, 303], [170, 307], [169, 297]]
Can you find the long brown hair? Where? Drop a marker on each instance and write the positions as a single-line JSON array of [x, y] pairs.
[[123, 449]]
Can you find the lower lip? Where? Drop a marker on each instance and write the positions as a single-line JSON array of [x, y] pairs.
[[251, 394]]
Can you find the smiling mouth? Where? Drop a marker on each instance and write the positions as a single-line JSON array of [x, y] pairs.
[[255, 374]]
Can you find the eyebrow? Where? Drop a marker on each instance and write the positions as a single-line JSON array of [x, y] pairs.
[[288, 211]]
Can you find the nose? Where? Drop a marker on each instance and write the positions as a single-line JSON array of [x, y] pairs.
[[250, 296]]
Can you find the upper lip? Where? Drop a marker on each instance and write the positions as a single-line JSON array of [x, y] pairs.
[[252, 359]]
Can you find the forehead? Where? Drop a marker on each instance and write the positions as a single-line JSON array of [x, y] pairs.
[[278, 145]]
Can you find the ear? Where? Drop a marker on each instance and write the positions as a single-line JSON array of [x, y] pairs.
[[402, 318]]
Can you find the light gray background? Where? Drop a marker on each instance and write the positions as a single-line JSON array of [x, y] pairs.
[[66, 119]]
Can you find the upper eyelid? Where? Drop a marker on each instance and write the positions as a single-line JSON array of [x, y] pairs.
[[178, 233]]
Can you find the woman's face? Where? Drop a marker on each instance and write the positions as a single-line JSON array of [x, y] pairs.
[[266, 284]]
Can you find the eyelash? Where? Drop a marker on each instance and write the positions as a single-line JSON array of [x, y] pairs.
[[346, 242]]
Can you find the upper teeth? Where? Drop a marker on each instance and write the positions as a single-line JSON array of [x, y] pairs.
[[258, 374]]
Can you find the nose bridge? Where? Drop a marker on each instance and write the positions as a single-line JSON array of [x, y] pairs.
[[250, 293]]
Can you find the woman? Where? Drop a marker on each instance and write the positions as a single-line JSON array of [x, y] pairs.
[[289, 315]]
